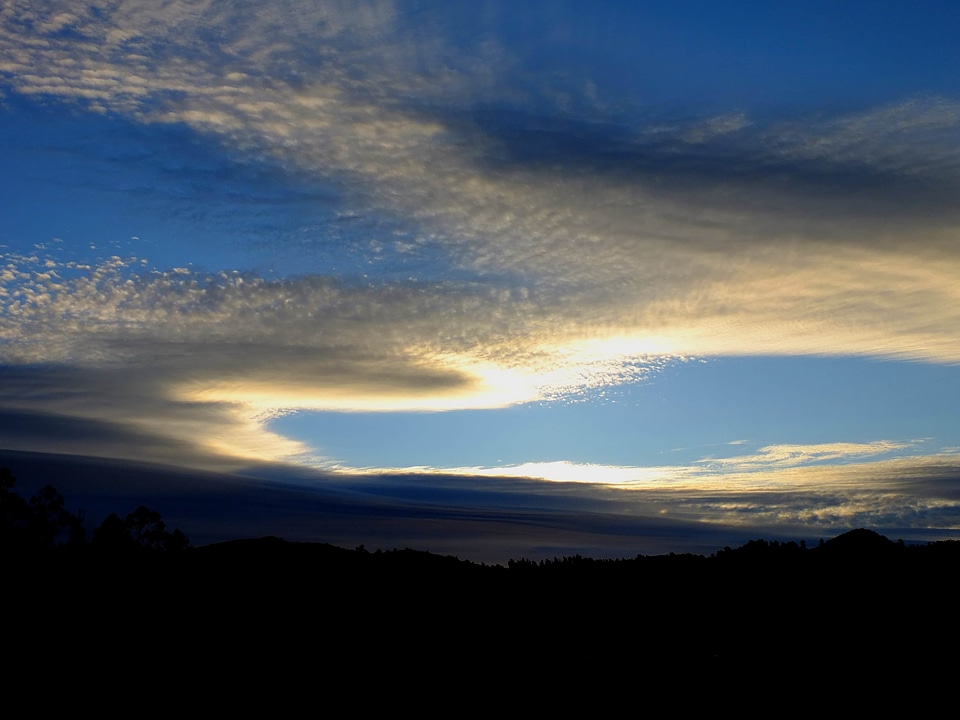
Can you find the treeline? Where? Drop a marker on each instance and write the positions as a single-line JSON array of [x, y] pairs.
[[861, 545], [43, 524]]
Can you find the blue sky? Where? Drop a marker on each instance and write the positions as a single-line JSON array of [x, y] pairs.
[[686, 261]]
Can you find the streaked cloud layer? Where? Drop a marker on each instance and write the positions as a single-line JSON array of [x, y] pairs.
[[501, 223]]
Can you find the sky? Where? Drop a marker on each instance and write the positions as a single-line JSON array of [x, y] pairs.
[[499, 279]]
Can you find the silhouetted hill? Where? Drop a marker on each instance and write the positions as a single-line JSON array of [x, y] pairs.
[[268, 551], [860, 543], [277, 555]]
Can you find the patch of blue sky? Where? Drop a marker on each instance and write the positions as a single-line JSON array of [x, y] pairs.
[[766, 57], [717, 408], [83, 187]]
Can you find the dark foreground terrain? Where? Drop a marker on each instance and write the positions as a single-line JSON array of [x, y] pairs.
[[258, 606], [269, 613]]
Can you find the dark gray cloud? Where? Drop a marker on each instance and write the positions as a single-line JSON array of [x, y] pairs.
[[104, 413], [737, 155]]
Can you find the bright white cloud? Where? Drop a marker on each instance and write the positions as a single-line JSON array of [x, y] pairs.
[[755, 472]]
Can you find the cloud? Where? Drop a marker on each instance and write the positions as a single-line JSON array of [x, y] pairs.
[[801, 489], [206, 359], [913, 497], [574, 253], [120, 412], [561, 471], [885, 139], [833, 488], [713, 127], [781, 456]]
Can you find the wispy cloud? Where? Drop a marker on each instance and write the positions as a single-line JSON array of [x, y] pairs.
[[782, 456]]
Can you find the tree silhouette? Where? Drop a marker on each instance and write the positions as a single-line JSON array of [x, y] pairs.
[[142, 530], [146, 528], [14, 513], [113, 536], [40, 524], [50, 521]]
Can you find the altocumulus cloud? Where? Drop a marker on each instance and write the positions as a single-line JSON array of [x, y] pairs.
[[799, 246]]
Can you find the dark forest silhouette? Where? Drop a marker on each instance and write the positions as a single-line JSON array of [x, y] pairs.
[[43, 524], [244, 604]]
